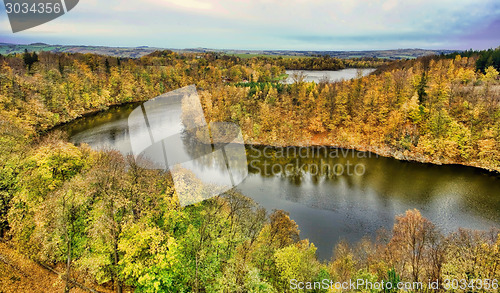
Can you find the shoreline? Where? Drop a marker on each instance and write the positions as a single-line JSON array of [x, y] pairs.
[[87, 114], [387, 153]]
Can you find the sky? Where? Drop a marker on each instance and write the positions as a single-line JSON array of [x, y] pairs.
[[271, 24]]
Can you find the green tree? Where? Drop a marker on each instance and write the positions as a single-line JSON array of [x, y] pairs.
[[61, 224], [12, 150], [296, 261], [29, 59], [44, 171], [110, 213], [421, 89]]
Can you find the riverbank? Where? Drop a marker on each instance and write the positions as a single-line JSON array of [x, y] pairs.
[[324, 140], [90, 113]]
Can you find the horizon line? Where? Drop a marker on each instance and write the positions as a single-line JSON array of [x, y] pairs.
[[226, 49]]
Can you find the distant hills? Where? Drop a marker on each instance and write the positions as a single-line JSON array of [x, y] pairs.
[[6, 49], [136, 52]]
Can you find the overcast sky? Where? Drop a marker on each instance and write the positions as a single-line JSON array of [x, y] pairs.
[[272, 24]]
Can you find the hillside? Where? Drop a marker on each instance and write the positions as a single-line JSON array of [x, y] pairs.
[[136, 52]]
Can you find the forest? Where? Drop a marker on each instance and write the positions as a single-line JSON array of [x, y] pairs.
[[99, 219]]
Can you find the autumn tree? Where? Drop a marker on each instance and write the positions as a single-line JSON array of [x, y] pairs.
[[411, 243], [61, 225], [12, 150], [297, 261], [110, 212], [45, 170]]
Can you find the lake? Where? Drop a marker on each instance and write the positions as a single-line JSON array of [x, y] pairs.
[[330, 75], [331, 193]]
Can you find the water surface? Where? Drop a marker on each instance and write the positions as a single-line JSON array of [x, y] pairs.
[[328, 75]]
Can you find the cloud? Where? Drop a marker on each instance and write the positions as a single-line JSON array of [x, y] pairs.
[[185, 4], [271, 24], [389, 4]]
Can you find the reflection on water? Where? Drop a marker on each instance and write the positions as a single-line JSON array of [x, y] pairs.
[[329, 205], [158, 131]]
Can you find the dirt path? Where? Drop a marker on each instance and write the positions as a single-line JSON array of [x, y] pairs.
[[20, 274]]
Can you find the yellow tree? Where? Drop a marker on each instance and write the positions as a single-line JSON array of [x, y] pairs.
[[411, 240]]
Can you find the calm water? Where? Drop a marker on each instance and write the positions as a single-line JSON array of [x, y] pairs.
[[335, 194], [337, 75]]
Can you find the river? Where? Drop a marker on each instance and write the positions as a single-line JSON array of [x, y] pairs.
[[328, 75], [331, 193]]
